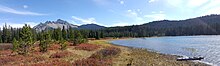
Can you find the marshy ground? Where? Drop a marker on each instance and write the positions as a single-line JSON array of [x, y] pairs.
[[93, 53]]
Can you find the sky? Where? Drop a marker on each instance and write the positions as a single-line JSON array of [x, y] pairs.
[[103, 12]]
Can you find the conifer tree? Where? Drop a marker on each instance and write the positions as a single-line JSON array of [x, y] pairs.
[[63, 44], [15, 45], [64, 33], [45, 41], [26, 40], [78, 38], [58, 34], [5, 34], [71, 34]]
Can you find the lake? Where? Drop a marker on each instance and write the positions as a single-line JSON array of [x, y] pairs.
[[190, 46]]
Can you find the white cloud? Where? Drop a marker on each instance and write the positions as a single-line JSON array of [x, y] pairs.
[[196, 3], [122, 2], [10, 10], [80, 21], [25, 6], [18, 25], [135, 16], [212, 11], [85, 21], [150, 1], [120, 23], [211, 7], [154, 17], [175, 3]]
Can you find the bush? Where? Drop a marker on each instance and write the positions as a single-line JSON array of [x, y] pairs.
[[60, 54], [63, 44], [4, 60], [92, 62], [54, 62], [88, 47], [7, 59], [106, 53], [44, 44], [5, 46]]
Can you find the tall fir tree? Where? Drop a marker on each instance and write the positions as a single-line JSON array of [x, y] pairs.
[[5, 34], [64, 33], [26, 40], [45, 41], [57, 34]]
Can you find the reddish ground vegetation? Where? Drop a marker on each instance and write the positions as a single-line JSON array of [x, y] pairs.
[[5, 46], [7, 59], [5, 52], [88, 47], [54, 47], [61, 54], [106, 53], [54, 62], [92, 62], [101, 58], [35, 59]]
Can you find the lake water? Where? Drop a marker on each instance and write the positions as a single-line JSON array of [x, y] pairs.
[[190, 46]]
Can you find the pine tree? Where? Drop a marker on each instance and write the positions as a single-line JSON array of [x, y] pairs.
[[63, 44], [78, 38], [64, 33], [45, 41], [71, 34], [0, 35], [5, 34], [97, 36], [15, 45], [57, 34], [26, 40]]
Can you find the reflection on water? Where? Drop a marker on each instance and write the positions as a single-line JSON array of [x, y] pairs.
[[206, 46]]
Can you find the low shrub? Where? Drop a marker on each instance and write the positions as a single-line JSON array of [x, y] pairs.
[[61, 54], [6, 59], [92, 62], [88, 47], [5, 52], [54, 62], [106, 53], [5, 46], [54, 47]]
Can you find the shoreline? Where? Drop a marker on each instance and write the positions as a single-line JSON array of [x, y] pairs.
[[166, 57]]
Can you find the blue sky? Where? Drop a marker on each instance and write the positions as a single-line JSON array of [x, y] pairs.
[[103, 12]]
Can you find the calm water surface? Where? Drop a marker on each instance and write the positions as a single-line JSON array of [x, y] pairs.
[[206, 46]]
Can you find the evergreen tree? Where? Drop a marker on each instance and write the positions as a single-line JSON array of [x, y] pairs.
[[0, 35], [64, 33], [5, 34], [15, 45], [26, 40], [63, 44], [71, 34], [77, 37], [45, 41], [57, 34], [97, 35]]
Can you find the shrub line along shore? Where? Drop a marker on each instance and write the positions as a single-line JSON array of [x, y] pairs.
[[144, 57]]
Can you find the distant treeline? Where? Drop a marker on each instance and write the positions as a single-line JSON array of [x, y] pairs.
[[205, 25], [8, 33]]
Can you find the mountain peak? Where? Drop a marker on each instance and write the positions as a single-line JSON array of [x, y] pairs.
[[54, 25]]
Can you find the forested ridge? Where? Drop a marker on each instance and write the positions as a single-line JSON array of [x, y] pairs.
[[205, 25]]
